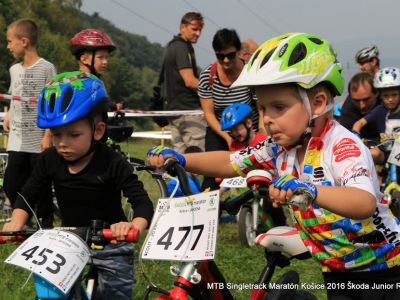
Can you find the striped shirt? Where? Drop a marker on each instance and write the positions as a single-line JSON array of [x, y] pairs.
[[224, 96], [24, 134]]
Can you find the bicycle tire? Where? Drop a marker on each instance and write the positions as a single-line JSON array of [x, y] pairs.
[[395, 205], [247, 235]]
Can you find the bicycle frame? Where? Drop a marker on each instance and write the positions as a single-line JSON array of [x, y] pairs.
[[92, 235], [204, 281]]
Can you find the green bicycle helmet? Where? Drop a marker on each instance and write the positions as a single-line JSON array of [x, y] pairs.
[[301, 58]]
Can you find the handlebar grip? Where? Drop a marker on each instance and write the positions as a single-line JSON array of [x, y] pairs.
[[175, 169], [17, 238], [132, 236]]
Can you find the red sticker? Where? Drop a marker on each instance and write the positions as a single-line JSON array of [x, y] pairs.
[[345, 148]]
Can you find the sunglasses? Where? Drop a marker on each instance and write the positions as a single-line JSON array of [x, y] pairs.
[[229, 56]]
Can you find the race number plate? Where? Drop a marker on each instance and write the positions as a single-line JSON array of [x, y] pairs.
[[394, 157], [184, 229], [236, 182], [57, 256]]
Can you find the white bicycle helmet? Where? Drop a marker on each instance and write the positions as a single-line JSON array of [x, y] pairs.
[[387, 78], [366, 54]]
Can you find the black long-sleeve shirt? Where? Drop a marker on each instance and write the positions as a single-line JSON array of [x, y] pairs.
[[93, 193]]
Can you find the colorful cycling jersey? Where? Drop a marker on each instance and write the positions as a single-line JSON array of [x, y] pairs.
[[336, 158]]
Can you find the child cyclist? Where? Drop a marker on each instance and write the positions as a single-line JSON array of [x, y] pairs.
[[236, 120], [386, 116], [88, 176], [91, 47], [345, 222]]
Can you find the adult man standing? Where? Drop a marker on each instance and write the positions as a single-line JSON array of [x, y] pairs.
[[248, 47], [181, 83], [362, 99], [368, 59]]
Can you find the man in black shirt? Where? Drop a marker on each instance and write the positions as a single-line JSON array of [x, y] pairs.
[[181, 83], [361, 100]]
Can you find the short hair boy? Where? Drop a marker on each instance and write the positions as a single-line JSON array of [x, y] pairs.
[[88, 176], [338, 209], [26, 140]]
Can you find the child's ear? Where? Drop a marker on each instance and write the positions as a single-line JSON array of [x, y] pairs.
[[99, 130], [25, 42], [249, 123], [86, 58], [318, 102]]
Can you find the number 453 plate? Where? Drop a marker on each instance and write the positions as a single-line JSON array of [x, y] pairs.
[[57, 256], [184, 229]]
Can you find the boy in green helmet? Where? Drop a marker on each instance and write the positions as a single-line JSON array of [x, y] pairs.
[[322, 171]]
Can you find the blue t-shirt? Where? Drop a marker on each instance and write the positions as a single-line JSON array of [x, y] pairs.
[[379, 116]]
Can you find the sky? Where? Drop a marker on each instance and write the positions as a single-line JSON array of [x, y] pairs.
[[348, 24]]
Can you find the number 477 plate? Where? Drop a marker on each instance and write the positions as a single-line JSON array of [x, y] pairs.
[[184, 229]]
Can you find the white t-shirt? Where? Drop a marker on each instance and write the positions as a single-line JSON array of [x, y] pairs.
[[336, 158], [24, 135]]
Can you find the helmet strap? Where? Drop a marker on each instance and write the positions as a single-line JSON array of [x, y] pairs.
[[311, 121], [248, 130]]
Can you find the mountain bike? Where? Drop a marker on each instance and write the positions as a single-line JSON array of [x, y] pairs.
[[202, 280], [5, 209], [57, 258], [251, 207]]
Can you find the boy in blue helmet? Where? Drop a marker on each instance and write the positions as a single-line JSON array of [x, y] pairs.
[[322, 171], [88, 176], [236, 119]]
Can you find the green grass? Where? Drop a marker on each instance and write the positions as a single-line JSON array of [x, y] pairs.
[[239, 265]]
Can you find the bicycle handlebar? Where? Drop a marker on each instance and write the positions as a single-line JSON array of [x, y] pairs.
[[173, 168], [83, 232]]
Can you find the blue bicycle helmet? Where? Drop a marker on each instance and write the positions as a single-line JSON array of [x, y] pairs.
[[69, 97], [234, 114]]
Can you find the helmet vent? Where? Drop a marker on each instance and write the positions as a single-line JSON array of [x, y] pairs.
[[298, 54], [316, 41], [66, 100], [42, 104], [52, 102], [255, 57], [267, 57]]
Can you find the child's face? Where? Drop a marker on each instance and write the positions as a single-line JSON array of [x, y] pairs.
[[390, 98], [239, 132], [72, 141], [285, 116], [15, 44], [100, 60]]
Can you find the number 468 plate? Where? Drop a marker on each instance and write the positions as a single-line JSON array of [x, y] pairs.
[[184, 229]]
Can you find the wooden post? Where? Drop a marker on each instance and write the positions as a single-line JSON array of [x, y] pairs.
[[5, 136]]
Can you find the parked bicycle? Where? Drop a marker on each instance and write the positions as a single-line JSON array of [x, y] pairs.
[[251, 207], [61, 257], [201, 280]]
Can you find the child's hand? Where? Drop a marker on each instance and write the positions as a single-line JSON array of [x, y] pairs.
[[6, 122], [157, 156], [289, 189], [120, 230]]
